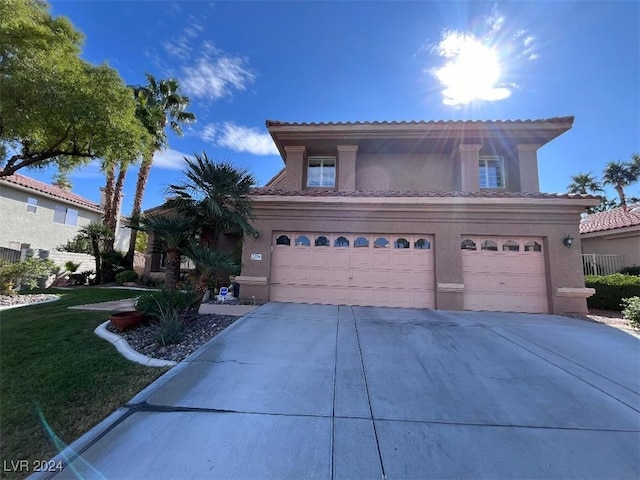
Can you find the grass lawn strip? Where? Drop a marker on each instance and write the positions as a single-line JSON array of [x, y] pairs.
[[51, 362]]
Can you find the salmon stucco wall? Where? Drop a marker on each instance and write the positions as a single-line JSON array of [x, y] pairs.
[[629, 246]]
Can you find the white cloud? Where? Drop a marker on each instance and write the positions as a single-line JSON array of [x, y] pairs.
[[470, 65], [169, 160], [239, 138], [216, 77]]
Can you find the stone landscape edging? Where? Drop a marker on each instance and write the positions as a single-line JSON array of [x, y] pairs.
[[127, 352]]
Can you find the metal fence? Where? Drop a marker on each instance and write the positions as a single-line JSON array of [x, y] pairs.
[[10, 255], [596, 264]]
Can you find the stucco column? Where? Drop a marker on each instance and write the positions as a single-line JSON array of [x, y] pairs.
[[528, 161], [294, 177], [469, 154], [347, 168]]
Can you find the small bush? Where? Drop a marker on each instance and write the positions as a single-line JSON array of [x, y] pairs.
[[24, 274], [611, 289], [169, 327], [631, 310], [71, 267], [155, 303], [127, 276], [81, 278], [113, 262], [631, 271]]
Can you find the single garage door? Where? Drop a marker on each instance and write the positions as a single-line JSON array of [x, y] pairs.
[[347, 269], [504, 274]]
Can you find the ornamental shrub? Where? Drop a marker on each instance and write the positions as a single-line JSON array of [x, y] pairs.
[[155, 303], [631, 271], [23, 274], [611, 289], [127, 276], [631, 310]]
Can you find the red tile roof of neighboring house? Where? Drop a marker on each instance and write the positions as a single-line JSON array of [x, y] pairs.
[[274, 123], [51, 190], [481, 194], [611, 219]]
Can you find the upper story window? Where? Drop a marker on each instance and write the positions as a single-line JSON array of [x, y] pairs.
[[68, 216], [491, 172], [321, 172], [32, 204]]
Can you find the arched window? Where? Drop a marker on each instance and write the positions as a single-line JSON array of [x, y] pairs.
[[322, 241], [510, 246], [422, 244], [341, 242], [468, 244], [303, 241], [489, 245], [401, 243], [381, 242], [361, 242], [283, 240], [532, 247]]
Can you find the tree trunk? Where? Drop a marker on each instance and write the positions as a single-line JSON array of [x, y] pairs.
[[173, 269], [117, 201], [623, 199], [108, 197], [96, 254], [143, 176]]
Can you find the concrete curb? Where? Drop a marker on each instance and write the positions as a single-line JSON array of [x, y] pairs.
[[127, 352], [29, 304]]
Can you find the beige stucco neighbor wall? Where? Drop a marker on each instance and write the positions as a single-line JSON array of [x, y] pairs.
[[615, 244], [447, 219], [37, 229]]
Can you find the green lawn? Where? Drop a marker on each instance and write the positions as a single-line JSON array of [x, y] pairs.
[[52, 362]]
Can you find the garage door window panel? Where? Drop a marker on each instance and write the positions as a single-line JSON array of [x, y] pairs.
[[510, 246], [422, 244], [468, 244], [401, 243], [381, 242], [341, 242], [283, 240], [361, 242], [532, 247], [322, 241], [489, 245], [303, 241]]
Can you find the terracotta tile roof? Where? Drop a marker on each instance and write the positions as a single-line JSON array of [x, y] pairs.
[[611, 219], [51, 190], [434, 194], [277, 123]]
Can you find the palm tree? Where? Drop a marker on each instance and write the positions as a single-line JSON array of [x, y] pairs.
[[584, 183], [216, 197], [634, 167], [173, 234], [618, 175], [157, 104], [97, 233], [207, 262]]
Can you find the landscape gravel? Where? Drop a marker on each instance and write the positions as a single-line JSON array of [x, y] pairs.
[[199, 331], [21, 300]]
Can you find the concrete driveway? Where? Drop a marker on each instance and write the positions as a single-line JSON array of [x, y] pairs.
[[314, 391]]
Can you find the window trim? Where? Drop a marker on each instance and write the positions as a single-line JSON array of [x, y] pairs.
[[331, 162], [32, 205], [483, 163]]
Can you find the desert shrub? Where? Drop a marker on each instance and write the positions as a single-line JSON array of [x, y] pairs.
[[78, 244], [611, 289], [155, 303], [24, 274], [631, 310], [113, 262], [631, 271], [168, 327], [127, 276]]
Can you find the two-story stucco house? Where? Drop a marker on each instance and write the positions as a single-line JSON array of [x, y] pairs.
[[41, 216], [427, 214]]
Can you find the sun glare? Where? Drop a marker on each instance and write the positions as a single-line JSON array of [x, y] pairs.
[[471, 70]]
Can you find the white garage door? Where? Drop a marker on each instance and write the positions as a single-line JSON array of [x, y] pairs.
[[504, 274], [346, 269]]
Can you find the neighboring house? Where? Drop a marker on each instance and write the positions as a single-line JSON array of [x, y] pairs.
[[443, 215], [611, 234], [41, 216]]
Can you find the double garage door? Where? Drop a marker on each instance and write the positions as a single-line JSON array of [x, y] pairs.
[[499, 273], [347, 269]]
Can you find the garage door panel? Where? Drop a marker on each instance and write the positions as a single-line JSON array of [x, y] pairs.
[[349, 275], [504, 280]]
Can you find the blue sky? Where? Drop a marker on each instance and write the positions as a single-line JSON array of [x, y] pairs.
[[244, 62]]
